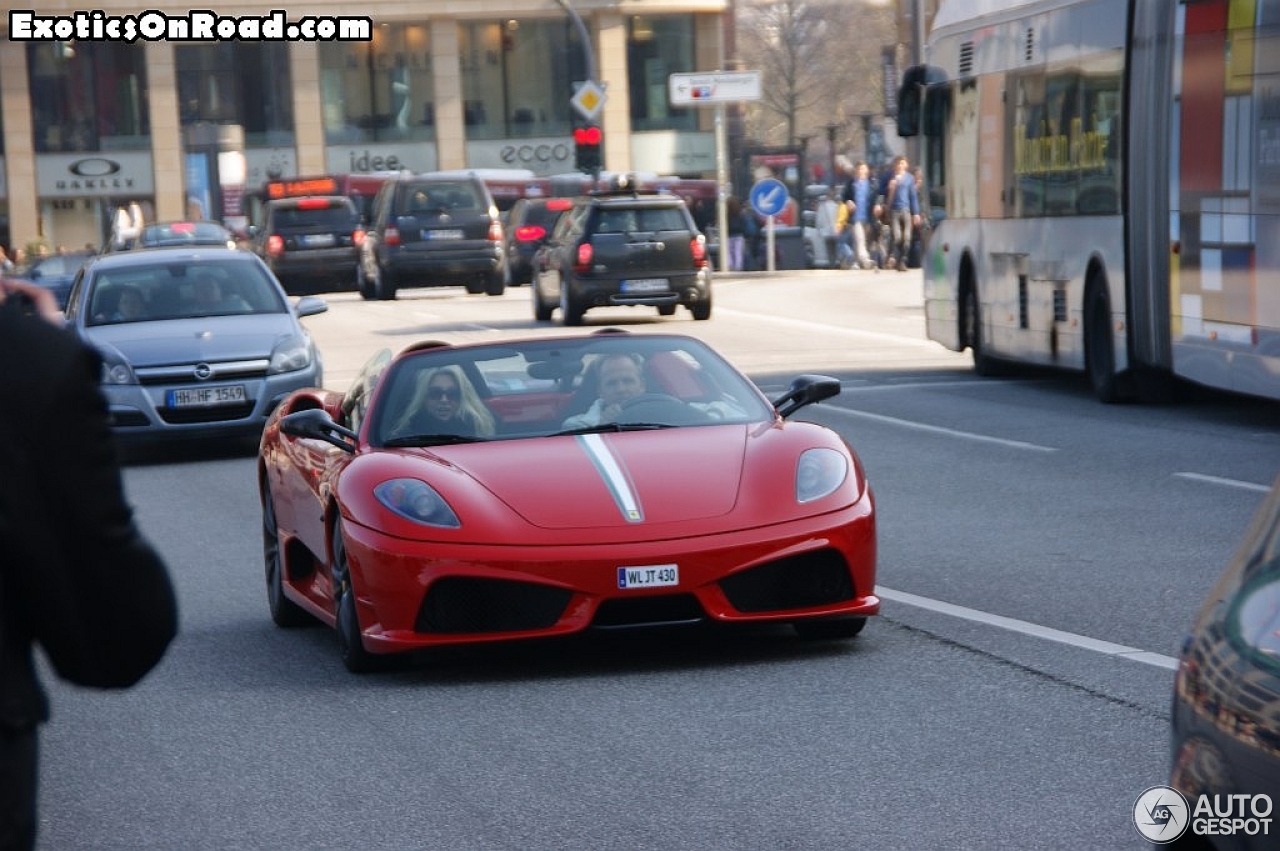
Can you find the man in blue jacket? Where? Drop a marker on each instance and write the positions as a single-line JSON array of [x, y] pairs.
[[903, 203]]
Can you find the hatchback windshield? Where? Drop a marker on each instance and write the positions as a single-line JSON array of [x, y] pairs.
[[145, 292]]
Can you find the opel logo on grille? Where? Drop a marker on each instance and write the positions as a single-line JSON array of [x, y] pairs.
[[203, 372]]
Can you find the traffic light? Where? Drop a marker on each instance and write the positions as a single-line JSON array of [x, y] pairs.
[[586, 145]]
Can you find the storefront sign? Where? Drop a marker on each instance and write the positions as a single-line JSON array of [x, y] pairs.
[[542, 155], [672, 152], [380, 156], [104, 174]]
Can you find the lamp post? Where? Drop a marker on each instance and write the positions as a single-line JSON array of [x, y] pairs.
[[831, 154]]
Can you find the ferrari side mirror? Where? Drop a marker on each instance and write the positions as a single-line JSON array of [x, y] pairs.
[[805, 390], [316, 424]]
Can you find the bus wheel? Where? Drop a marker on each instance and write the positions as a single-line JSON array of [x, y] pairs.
[[971, 330], [1099, 350]]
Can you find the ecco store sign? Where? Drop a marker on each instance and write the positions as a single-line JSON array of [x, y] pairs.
[[107, 174]]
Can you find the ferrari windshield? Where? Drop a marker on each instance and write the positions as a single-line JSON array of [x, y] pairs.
[[603, 383]]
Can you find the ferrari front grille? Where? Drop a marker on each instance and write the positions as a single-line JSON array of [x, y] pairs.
[[816, 578], [468, 604], [648, 611]]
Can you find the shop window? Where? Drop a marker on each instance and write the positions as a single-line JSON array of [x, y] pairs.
[[88, 96], [238, 83], [378, 90], [657, 47], [510, 87]]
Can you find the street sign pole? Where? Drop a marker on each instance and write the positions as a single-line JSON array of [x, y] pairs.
[[703, 89], [770, 263], [722, 193]]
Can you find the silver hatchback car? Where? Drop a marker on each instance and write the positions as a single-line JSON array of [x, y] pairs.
[[195, 342]]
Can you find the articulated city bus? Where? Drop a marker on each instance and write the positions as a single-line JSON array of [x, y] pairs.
[[1104, 177]]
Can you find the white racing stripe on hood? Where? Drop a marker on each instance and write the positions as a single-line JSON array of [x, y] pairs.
[[615, 478]]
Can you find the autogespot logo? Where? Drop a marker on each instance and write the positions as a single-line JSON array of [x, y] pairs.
[[1161, 814]]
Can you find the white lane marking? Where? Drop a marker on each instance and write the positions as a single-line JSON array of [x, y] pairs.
[[808, 325], [1027, 628], [949, 432], [1218, 480]]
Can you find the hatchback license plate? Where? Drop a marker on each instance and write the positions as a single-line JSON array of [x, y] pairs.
[[648, 576], [451, 233], [205, 397], [645, 285]]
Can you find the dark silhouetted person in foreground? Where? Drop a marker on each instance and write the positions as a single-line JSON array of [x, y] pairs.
[[76, 576]]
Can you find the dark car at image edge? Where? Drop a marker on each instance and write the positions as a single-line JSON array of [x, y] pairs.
[[1225, 731]]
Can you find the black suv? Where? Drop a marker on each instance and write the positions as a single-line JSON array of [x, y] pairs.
[[434, 229], [310, 241], [623, 247]]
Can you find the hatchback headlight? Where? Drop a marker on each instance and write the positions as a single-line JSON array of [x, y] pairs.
[[819, 472], [116, 370], [417, 501], [290, 355]]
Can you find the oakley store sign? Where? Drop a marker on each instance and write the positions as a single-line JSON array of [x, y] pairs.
[[107, 174]]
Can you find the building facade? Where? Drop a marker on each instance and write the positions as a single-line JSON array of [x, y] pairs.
[[196, 108]]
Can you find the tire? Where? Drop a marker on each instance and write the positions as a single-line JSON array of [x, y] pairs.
[[541, 310], [702, 310], [824, 629], [350, 646], [475, 286], [284, 612], [383, 285], [496, 283], [971, 332], [570, 310], [666, 310], [363, 285], [1099, 348]]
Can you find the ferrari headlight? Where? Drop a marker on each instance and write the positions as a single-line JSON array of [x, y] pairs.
[[819, 472], [290, 355], [417, 501]]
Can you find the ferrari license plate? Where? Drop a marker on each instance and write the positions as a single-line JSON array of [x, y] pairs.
[[648, 576], [204, 397], [645, 285]]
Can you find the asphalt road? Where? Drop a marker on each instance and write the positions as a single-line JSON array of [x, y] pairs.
[[1041, 556]]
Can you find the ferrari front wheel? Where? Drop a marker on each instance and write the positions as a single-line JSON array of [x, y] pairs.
[[350, 646], [284, 611], [820, 629]]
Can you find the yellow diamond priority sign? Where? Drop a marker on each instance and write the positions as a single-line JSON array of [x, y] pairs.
[[588, 100]]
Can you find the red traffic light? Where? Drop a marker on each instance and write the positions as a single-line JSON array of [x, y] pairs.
[[587, 135]]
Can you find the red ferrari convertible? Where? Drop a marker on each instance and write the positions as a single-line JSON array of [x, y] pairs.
[[529, 488]]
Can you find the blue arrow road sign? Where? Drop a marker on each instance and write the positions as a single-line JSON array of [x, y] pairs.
[[769, 196]]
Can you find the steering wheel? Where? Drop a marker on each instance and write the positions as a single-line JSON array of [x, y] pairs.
[[659, 408]]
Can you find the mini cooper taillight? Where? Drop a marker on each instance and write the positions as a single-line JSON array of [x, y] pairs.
[[698, 246], [583, 261]]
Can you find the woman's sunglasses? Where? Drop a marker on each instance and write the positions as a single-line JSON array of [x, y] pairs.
[[438, 393]]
